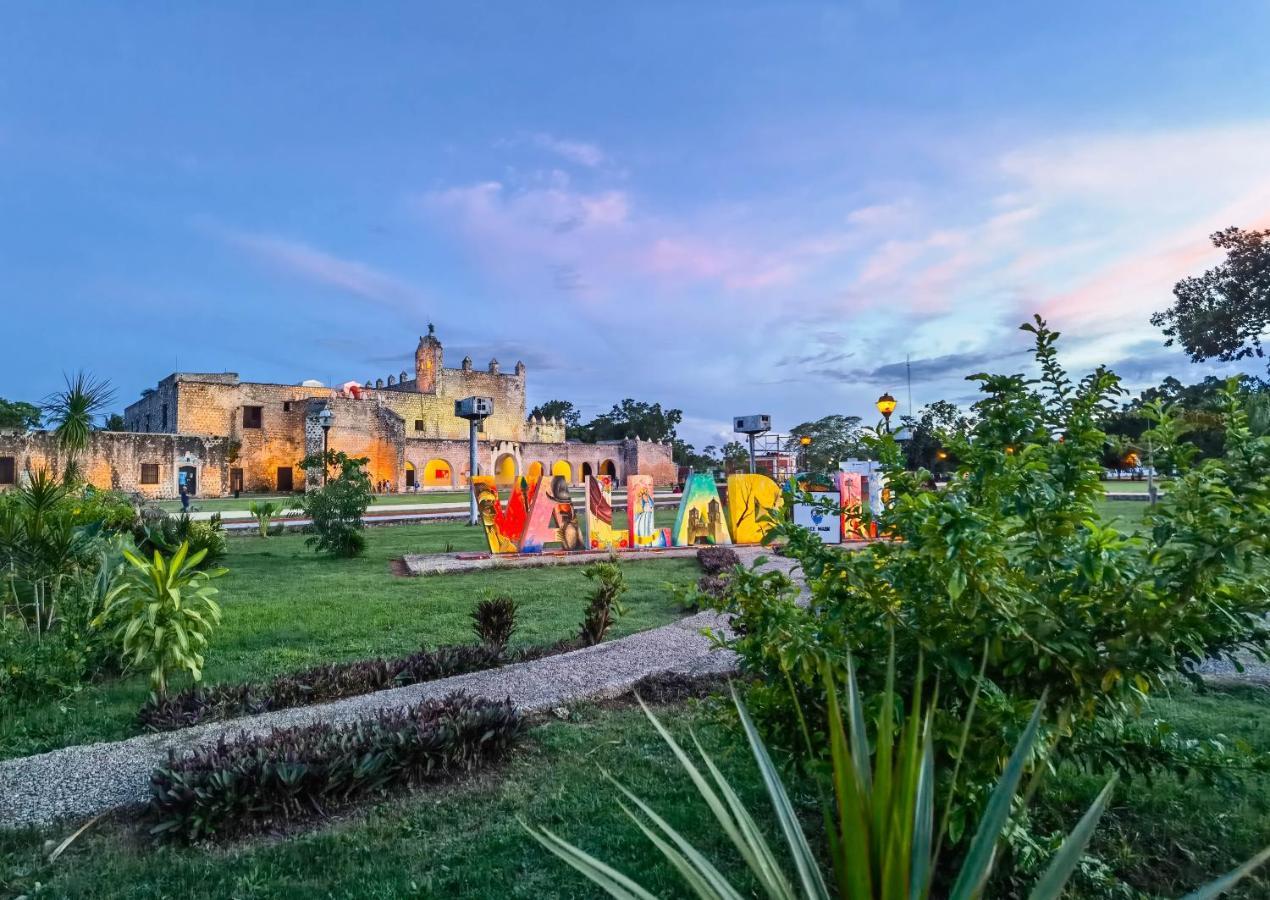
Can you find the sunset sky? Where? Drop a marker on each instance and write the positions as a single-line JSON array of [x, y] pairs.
[[725, 207]]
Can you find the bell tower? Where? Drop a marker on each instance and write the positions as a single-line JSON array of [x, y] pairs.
[[428, 362]]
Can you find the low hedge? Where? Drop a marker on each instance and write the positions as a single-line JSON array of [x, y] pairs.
[[717, 560], [319, 684], [262, 783]]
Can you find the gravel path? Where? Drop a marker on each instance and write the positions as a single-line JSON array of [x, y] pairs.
[[78, 782]]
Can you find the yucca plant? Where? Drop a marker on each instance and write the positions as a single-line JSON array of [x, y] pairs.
[[163, 614], [494, 621], [880, 818], [73, 412]]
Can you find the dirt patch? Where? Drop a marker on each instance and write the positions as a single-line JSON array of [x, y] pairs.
[[398, 568]]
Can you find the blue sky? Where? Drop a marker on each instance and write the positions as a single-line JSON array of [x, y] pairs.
[[724, 207]]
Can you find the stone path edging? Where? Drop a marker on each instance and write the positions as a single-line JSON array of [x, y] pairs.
[[78, 782]]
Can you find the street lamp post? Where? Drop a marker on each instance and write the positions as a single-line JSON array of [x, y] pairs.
[[804, 442], [886, 406], [325, 418]]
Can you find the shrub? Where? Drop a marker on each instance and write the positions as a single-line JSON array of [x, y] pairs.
[[1010, 584], [605, 601], [114, 511], [163, 613], [337, 507], [319, 684], [494, 621], [166, 534], [261, 782], [717, 560]]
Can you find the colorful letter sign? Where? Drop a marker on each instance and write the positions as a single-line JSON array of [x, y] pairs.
[[750, 498], [600, 534], [700, 519], [641, 514], [551, 519]]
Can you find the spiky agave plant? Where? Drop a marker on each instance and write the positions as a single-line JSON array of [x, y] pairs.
[[72, 413], [880, 819]]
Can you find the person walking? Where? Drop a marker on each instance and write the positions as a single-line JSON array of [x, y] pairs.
[[185, 499]]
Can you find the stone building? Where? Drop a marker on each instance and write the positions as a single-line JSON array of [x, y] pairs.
[[222, 434]]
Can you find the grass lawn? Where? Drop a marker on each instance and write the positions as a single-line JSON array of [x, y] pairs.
[[292, 501], [464, 840], [287, 608]]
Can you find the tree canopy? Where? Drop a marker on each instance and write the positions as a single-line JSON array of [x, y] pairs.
[[17, 414], [1224, 313], [833, 439]]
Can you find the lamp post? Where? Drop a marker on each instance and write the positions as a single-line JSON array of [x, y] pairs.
[[804, 441], [325, 418], [886, 406]]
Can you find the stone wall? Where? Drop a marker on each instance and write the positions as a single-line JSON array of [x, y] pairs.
[[113, 460]]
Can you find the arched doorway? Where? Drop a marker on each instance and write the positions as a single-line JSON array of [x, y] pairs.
[[608, 468], [587, 472], [562, 467], [534, 472], [411, 481], [436, 473], [505, 469]]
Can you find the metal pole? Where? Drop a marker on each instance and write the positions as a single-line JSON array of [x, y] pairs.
[[1150, 472], [326, 434], [471, 470], [751, 454]]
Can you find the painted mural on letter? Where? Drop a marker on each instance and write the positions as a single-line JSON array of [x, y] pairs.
[[600, 533], [750, 498], [641, 513], [551, 519], [700, 519]]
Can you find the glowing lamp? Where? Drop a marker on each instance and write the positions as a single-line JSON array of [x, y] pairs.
[[805, 440], [886, 405]]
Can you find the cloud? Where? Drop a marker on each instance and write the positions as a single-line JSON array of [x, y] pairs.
[[580, 152], [304, 261]]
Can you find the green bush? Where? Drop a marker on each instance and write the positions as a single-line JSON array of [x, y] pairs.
[[337, 507], [604, 601], [113, 511], [1008, 582], [261, 782], [163, 614], [494, 621], [165, 534]]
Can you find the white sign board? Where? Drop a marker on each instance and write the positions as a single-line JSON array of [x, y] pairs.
[[825, 525]]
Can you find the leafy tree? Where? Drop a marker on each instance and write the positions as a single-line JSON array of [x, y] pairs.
[[833, 439], [115, 422], [16, 414], [736, 456], [560, 409], [929, 433], [337, 507], [1224, 313], [635, 418]]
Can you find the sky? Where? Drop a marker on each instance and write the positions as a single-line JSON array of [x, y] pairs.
[[728, 208]]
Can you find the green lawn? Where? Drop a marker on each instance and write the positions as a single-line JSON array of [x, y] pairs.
[[287, 608], [464, 840], [226, 504]]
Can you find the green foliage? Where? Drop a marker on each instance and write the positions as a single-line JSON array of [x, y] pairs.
[[1224, 312], [563, 410], [73, 412], [260, 782], [264, 513], [604, 601], [163, 614], [833, 439], [167, 534], [630, 419], [115, 422], [494, 621], [19, 415], [929, 432], [337, 507], [1011, 568], [879, 811]]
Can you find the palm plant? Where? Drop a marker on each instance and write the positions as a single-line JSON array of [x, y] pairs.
[[72, 413], [264, 513], [879, 817]]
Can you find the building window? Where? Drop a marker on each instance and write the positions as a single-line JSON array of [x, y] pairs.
[[149, 473], [147, 422], [8, 468], [165, 418], [252, 416], [286, 406], [418, 424]]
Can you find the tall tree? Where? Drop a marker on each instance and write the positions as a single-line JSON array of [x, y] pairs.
[[558, 409], [928, 432], [833, 439], [16, 414], [115, 422], [73, 414], [635, 418], [1225, 312]]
